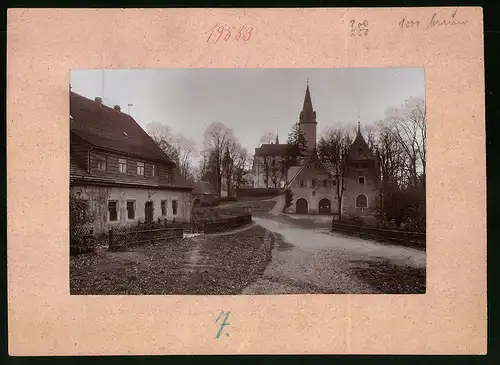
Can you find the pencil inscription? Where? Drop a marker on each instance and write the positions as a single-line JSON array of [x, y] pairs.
[[358, 28], [436, 21]]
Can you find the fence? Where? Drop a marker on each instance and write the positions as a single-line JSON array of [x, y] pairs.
[[401, 238], [82, 240], [223, 225], [256, 192], [120, 238]]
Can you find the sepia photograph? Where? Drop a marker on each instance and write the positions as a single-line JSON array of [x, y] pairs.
[[247, 181]]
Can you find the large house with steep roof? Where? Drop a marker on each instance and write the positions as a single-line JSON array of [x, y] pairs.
[[120, 170], [312, 182]]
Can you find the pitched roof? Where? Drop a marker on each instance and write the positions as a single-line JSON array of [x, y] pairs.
[[108, 128], [359, 149], [203, 187], [313, 159], [277, 150]]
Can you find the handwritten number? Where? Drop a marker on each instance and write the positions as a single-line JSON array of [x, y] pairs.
[[211, 31], [249, 34], [359, 29], [226, 33]]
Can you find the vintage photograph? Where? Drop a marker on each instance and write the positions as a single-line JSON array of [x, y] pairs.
[[247, 181]]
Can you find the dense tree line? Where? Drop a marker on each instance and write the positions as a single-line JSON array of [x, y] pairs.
[[398, 142]]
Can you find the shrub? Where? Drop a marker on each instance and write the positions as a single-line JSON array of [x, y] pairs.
[[81, 233]]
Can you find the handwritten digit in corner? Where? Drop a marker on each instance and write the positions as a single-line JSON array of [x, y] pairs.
[[223, 324]]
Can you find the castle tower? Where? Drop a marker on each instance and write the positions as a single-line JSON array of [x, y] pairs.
[[362, 180], [307, 121]]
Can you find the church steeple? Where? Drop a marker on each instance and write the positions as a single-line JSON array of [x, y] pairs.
[[307, 121], [277, 139], [307, 107], [307, 115]]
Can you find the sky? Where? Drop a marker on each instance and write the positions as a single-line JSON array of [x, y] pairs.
[[252, 102]]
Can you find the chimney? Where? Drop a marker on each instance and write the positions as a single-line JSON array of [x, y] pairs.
[[98, 100], [117, 108]]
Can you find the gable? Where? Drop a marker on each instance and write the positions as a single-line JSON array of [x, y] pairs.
[[107, 128]]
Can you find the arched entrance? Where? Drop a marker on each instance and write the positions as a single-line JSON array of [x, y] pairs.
[[324, 206], [196, 203], [301, 207]]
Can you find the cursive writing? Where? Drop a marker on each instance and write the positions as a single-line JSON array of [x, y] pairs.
[[225, 32], [434, 22], [358, 28]]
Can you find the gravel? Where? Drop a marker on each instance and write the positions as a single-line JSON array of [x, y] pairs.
[[199, 265]]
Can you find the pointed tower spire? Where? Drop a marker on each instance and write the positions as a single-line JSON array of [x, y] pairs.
[[277, 139], [307, 107], [359, 121]]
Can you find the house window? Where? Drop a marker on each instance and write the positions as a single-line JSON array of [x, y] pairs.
[[361, 180], [174, 207], [325, 183], [130, 209], [153, 170], [101, 163], [361, 201], [163, 205], [365, 165], [122, 165], [113, 211], [313, 183], [140, 168], [302, 183]]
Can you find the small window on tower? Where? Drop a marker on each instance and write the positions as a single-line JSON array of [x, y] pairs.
[[361, 180]]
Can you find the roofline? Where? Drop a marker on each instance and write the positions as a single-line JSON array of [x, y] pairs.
[[93, 181], [302, 168], [171, 163]]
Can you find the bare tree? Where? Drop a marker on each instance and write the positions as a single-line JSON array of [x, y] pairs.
[[268, 138], [333, 148], [217, 138], [179, 148], [241, 168]]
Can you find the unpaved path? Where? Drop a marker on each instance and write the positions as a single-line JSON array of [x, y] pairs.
[[308, 260]]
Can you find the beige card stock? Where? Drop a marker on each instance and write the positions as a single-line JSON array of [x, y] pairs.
[[45, 44]]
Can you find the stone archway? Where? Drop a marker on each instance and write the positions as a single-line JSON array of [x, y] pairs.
[[325, 206], [301, 206]]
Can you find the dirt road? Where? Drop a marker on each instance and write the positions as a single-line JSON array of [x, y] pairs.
[[313, 260]]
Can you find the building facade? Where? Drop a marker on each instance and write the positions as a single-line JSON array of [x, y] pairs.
[[114, 165], [312, 182], [362, 182]]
